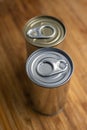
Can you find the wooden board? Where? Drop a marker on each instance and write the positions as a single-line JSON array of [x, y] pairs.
[[15, 111]]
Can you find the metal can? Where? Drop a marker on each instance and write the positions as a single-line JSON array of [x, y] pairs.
[[49, 70], [43, 31]]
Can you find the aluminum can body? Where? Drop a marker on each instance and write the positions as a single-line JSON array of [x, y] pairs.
[[49, 71], [48, 101]]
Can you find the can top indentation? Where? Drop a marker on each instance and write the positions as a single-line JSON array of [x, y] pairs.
[[49, 67], [44, 31]]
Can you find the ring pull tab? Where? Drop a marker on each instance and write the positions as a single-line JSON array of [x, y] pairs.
[[56, 67], [37, 32]]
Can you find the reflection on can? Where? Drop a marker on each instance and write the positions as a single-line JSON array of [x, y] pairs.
[[49, 70]]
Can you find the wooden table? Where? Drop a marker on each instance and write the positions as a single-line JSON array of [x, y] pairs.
[[15, 111]]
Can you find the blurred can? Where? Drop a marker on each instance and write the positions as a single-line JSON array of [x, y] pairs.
[[49, 70], [43, 31]]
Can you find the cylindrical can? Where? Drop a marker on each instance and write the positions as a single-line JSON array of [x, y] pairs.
[[49, 70], [43, 31]]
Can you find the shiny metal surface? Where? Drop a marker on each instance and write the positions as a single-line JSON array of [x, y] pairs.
[[38, 32], [44, 31], [49, 67], [48, 93], [57, 67], [48, 101]]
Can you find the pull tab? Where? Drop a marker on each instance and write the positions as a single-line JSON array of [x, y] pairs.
[[49, 67], [38, 32]]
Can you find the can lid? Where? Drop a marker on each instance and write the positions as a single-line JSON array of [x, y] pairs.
[[49, 67], [44, 31]]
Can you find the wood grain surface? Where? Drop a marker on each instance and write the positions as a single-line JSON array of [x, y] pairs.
[[15, 111]]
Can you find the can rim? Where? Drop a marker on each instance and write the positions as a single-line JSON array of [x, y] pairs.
[[47, 45], [56, 86]]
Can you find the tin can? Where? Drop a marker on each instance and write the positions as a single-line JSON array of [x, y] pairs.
[[49, 70], [43, 31]]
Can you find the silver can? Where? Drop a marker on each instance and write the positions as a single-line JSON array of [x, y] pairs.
[[43, 31], [49, 70]]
